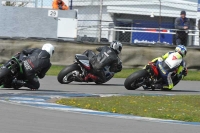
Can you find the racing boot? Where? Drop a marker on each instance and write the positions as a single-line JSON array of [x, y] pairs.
[[91, 76], [16, 84], [166, 88]]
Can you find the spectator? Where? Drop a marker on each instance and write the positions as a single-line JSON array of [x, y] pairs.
[[59, 4], [182, 23]]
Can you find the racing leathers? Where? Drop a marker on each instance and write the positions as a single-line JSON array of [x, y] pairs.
[[167, 64], [106, 57], [36, 63]]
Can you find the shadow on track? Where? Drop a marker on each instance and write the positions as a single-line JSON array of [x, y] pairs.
[[40, 90], [171, 91], [183, 91], [100, 84]]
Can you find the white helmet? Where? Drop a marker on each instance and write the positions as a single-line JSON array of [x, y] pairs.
[[49, 48], [117, 46]]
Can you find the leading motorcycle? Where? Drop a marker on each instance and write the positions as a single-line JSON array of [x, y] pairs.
[[147, 77], [79, 70]]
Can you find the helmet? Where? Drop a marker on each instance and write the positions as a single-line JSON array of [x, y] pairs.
[[117, 46], [49, 48], [181, 49]]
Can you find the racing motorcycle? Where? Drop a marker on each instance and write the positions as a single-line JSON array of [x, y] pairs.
[[11, 70], [79, 70], [147, 77]]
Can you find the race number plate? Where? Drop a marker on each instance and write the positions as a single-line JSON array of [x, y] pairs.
[[53, 13]]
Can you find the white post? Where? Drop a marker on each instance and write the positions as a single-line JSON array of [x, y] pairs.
[[111, 34], [100, 20], [42, 3], [36, 3], [0, 3], [196, 38], [160, 21]]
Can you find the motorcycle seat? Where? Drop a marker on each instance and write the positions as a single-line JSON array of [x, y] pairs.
[[81, 57]]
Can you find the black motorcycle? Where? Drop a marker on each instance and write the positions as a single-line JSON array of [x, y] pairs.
[[11, 70], [79, 70], [147, 77]]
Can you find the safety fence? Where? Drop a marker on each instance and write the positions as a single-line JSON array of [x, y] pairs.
[[137, 21], [20, 3], [131, 21]]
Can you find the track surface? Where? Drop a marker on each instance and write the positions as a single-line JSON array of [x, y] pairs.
[[23, 119], [115, 86]]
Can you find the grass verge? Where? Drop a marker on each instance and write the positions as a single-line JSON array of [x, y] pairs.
[[192, 75], [54, 70], [184, 108]]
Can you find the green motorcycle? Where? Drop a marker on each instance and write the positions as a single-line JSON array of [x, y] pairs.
[[11, 70]]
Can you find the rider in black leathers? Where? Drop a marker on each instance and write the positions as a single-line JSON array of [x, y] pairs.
[[108, 56], [36, 63]]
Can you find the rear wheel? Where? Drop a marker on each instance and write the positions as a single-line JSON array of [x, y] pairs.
[[65, 76], [133, 82]]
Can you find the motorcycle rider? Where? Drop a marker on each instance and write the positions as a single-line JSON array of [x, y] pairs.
[[107, 56], [36, 62], [168, 63]]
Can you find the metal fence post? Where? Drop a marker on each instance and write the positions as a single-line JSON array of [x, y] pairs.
[[71, 4], [160, 21], [36, 3], [42, 3], [100, 20]]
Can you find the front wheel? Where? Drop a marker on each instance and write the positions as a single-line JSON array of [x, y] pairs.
[[65, 76], [4, 72], [133, 82]]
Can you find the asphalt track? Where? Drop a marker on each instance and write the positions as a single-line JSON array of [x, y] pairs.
[[115, 86], [18, 118]]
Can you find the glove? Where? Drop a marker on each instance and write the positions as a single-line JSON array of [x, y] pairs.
[[151, 63], [17, 55], [185, 72], [119, 67], [160, 59], [115, 67]]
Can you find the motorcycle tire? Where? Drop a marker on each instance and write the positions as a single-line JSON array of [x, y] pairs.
[[66, 72], [4, 72], [98, 83], [133, 78]]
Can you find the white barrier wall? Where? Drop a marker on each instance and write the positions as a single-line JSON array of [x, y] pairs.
[[30, 22], [132, 56]]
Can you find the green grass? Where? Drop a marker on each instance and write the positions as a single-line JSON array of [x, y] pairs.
[[192, 75], [125, 73], [184, 108], [54, 70]]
